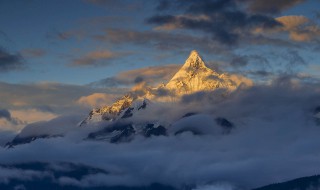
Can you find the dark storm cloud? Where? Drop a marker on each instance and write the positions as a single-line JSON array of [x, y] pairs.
[[271, 6], [10, 61], [223, 20]]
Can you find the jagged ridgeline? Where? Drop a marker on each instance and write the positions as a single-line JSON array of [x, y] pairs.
[[193, 76], [137, 113]]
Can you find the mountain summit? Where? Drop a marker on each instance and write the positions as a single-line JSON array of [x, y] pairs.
[[193, 76], [194, 61]]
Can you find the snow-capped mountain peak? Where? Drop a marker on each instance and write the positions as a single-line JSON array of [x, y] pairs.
[[192, 77], [195, 76], [194, 61]]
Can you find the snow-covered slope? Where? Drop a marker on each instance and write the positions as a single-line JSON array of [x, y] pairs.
[[109, 113], [192, 77], [195, 76], [126, 117]]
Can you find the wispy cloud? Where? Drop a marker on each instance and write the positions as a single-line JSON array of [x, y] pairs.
[[46, 97], [33, 52], [161, 40], [96, 100], [30, 103], [300, 28], [10, 61], [98, 58], [151, 75]]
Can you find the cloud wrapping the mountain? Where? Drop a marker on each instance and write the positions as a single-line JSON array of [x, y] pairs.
[[36, 96], [33, 115], [275, 135], [96, 100], [56, 126], [9, 121], [6, 136], [28, 103], [13, 121]]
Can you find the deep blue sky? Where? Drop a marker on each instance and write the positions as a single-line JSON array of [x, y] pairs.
[[66, 41]]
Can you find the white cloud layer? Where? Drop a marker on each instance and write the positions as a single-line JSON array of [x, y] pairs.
[[275, 139], [96, 100]]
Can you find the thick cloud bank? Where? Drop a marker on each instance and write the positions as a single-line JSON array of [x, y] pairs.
[[276, 138]]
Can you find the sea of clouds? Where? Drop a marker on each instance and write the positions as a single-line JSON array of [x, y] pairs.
[[276, 138]]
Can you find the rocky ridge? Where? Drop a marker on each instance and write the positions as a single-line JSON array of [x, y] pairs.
[[193, 76]]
